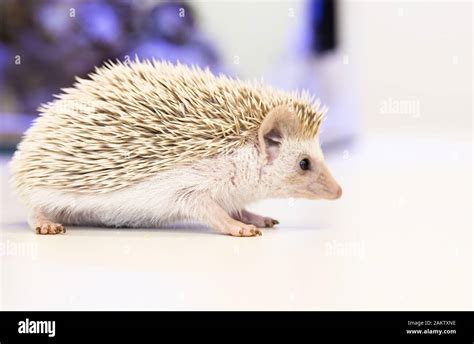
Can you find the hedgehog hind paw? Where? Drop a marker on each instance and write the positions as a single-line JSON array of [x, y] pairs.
[[42, 223], [50, 228]]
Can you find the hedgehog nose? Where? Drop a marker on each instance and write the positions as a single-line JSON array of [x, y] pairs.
[[338, 192], [332, 189], [335, 194]]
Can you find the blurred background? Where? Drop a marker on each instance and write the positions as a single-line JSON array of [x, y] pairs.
[[397, 77], [291, 44], [376, 66]]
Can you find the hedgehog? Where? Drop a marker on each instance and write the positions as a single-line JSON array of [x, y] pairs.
[[150, 143]]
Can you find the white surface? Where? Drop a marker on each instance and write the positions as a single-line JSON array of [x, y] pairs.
[[400, 238]]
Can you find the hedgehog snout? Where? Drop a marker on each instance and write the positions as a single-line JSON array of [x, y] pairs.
[[326, 186]]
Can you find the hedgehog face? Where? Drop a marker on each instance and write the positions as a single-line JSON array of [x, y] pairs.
[[295, 166]]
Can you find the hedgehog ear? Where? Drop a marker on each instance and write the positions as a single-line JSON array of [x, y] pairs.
[[278, 124]]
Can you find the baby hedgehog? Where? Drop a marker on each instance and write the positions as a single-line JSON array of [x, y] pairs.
[[148, 143]]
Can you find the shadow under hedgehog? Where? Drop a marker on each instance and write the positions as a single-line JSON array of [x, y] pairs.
[[149, 143]]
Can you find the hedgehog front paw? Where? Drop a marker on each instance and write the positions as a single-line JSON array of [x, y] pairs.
[[269, 222], [240, 229], [50, 228], [257, 220], [264, 222]]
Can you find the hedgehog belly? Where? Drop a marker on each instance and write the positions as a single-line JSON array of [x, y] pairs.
[[142, 205]]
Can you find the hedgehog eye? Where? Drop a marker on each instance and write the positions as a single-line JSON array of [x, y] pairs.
[[304, 164]]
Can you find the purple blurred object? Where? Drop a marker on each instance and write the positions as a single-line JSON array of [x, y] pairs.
[[54, 19], [171, 33], [44, 44], [99, 22], [5, 56]]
